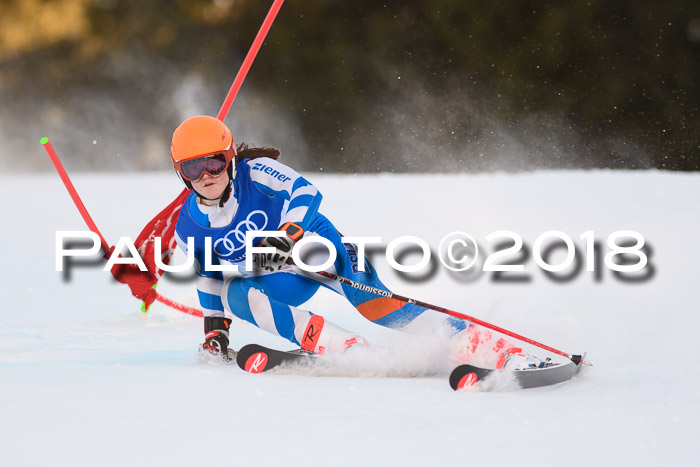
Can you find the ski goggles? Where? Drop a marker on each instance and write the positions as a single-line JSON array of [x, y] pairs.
[[213, 164]]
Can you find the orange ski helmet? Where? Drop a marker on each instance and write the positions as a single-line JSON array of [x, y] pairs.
[[197, 139]]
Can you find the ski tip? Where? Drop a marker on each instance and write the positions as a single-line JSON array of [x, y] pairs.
[[252, 358], [256, 363], [465, 377], [466, 382]]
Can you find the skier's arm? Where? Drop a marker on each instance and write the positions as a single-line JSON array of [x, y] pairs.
[[275, 178], [209, 283]]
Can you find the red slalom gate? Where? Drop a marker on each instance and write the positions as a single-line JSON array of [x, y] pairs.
[[228, 101], [73, 193], [93, 227]]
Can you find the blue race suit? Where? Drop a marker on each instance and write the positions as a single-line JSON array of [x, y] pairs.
[[265, 195]]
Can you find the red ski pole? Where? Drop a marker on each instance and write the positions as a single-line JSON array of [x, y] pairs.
[[248, 61], [385, 293], [179, 306]]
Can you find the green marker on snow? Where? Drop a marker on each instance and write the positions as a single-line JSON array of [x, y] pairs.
[[143, 305]]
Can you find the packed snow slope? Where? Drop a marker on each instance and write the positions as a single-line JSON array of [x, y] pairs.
[[86, 378]]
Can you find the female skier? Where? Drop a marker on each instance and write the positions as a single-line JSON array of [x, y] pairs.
[[242, 189]]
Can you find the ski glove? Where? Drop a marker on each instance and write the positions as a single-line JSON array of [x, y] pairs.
[[283, 248], [216, 336]]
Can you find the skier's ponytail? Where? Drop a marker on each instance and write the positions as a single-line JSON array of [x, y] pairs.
[[243, 151]]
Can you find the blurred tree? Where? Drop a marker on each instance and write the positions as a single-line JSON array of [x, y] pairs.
[[369, 86]]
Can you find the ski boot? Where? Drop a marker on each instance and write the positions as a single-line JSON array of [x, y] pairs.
[[514, 358], [321, 337]]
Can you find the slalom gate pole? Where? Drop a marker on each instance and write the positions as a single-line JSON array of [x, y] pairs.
[[385, 293], [226, 106], [230, 97], [73, 193], [248, 61], [93, 227]]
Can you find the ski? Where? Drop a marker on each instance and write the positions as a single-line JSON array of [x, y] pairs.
[[255, 358], [465, 376]]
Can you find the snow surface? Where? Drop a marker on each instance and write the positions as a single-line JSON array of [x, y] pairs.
[[87, 379]]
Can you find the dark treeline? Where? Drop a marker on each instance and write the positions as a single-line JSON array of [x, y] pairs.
[[371, 86]]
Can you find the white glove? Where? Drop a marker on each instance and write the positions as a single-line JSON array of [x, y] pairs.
[[283, 248]]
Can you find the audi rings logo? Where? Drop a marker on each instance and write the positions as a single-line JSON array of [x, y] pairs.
[[235, 239]]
